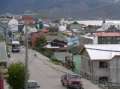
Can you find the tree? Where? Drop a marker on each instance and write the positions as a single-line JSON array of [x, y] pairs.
[[53, 29], [40, 42], [16, 78]]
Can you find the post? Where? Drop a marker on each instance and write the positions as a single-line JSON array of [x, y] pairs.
[[26, 56]]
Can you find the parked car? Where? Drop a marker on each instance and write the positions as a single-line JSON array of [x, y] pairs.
[[32, 84], [71, 81]]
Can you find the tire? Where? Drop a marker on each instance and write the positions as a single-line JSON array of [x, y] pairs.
[[63, 84], [68, 87], [81, 88]]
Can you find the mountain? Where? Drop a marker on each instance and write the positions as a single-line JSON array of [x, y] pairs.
[[61, 8]]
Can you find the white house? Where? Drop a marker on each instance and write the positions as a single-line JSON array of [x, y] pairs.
[[30, 29], [13, 25], [101, 62], [62, 27]]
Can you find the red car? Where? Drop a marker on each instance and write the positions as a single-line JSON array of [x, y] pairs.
[[71, 81]]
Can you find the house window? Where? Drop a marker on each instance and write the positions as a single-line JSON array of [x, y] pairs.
[[103, 79], [103, 64]]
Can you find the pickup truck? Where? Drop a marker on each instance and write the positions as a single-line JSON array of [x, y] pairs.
[[71, 81]]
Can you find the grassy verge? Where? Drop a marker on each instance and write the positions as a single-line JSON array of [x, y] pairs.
[[56, 61]]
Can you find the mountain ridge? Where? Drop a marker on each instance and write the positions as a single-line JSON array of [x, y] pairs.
[[68, 8]]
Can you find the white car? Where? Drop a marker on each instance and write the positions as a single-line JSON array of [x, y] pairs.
[[32, 84]]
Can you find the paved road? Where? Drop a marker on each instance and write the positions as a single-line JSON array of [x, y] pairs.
[[47, 74], [47, 77], [3, 52]]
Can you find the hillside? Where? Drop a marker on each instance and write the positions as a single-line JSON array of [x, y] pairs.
[[74, 8]]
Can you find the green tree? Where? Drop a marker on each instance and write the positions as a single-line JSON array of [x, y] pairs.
[[53, 29], [16, 76], [40, 42]]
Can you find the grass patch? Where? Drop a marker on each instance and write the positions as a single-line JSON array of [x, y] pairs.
[[56, 61]]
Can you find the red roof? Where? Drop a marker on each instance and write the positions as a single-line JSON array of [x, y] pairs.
[[108, 34], [28, 19], [45, 30]]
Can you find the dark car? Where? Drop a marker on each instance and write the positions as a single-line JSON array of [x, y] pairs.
[[71, 81]]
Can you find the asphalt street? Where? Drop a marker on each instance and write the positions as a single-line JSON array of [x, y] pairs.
[[47, 77], [47, 74], [3, 51]]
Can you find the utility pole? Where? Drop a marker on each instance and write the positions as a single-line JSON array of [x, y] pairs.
[[26, 56]]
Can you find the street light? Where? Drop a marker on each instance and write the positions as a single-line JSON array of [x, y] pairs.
[[26, 54]]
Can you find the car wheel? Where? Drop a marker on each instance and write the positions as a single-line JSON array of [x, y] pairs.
[[63, 84], [68, 87]]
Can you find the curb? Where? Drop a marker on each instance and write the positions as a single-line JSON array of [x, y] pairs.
[[53, 66]]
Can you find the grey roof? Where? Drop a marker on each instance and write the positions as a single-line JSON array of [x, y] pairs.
[[102, 51], [109, 28]]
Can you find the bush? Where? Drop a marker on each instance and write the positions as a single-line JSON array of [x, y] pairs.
[[16, 76], [56, 61], [47, 53], [40, 42]]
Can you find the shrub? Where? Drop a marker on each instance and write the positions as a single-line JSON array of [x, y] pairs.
[[16, 76]]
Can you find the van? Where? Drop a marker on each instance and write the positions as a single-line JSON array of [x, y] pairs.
[[15, 46]]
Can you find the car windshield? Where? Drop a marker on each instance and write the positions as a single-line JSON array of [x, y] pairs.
[[15, 45], [74, 76]]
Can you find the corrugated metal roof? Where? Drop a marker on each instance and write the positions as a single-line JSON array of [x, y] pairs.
[[103, 51]]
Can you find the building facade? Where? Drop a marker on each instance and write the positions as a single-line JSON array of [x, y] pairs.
[[101, 63], [110, 35]]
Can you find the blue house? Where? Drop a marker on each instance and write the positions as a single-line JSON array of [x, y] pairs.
[[73, 41]]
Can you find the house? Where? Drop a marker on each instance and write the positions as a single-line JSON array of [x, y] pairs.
[[28, 20], [60, 49], [101, 62], [73, 40], [13, 25], [62, 27], [108, 34], [57, 45], [76, 27]]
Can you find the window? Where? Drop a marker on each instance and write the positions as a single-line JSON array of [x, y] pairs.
[[103, 64]]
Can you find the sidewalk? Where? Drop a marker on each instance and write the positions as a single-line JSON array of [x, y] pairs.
[[6, 86], [86, 83]]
